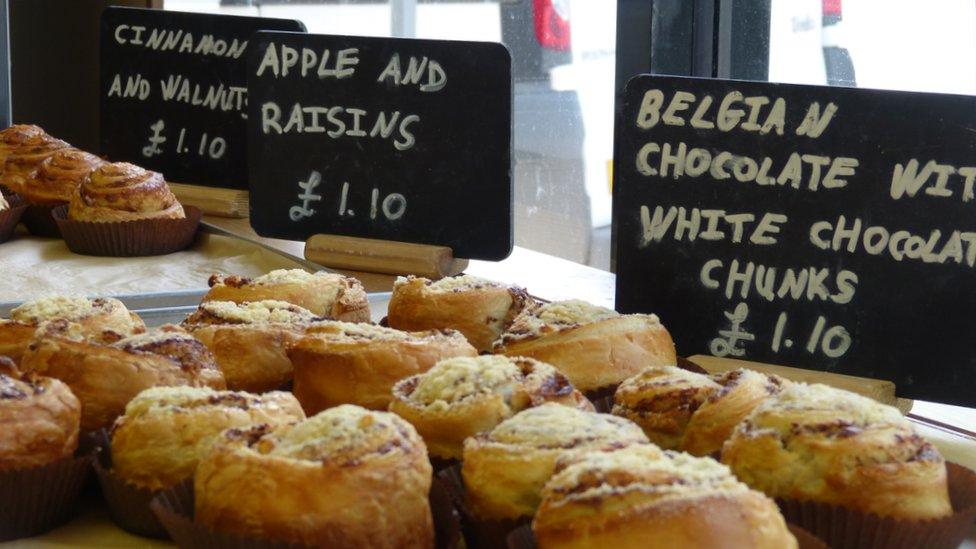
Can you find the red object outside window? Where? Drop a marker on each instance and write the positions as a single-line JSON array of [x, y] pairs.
[[832, 7], [551, 22]]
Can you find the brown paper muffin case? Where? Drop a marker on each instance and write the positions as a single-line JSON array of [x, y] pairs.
[[478, 534], [39, 222], [10, 217], [39, 499], [143, 237], [128, 504], [174, 507], [524, 538]]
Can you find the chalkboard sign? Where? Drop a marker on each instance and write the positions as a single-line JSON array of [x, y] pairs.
[[173, 92], [825, 228], [384, 138]]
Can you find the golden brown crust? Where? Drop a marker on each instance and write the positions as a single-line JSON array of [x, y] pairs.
[[39, 419], [121, 191], [326, 294], [58, 176], [343, 363], [22, 149], [17, 136], [347, 477], [106, 377], [460, 397], [480, 309], [817, 443], [594, 347], [166, 430]]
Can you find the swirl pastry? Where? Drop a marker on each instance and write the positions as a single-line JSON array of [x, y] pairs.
[[102, 320], [106, 377], [58, 176], [17, 136], [39, 419], [347, 477], [504, 469], [329, 295], [249, 339], [123, 192], [462, 396], [594, 347], [688, 411], [478, 308], [344, 363], [165, 431], [817, 443], [22, 149], [637, 498]]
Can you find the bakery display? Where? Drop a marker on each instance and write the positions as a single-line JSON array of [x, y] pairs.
[[106, 377], [595, 347], [345, 363], [121, 191], [326, 294], [347, 477], [816, 443], [480, 309], [505, 469], [57, 177], [249, 339], [639, 497], [692, 412], [165, 431]]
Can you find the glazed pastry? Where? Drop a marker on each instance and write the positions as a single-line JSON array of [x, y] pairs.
[[23, 149], [346, 478], [123, 192], [249, 340], [637, 498], [480, 309], [826, 445], [595, 347], [462, 396], [504, 469], [344, 363], [103, 320], [106, 377], [58, 176], [166, 430], [326, 294], [692, 412], [39, 419], [17, 136]]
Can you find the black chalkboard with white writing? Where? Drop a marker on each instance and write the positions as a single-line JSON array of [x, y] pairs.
[[384, 138], [173, 92], [825, 228]]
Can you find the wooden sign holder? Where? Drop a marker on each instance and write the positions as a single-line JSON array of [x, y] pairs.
[[383, 256], [213, 200]]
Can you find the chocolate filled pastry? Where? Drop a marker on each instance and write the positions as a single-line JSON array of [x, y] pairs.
[[22, 149], [504, 469], [692, 412], [344, 363], [103, 320], [121, 191], [326, 294], [480, 309], [39, 419], [347, 477], [594, 347], [462, 396], [166, 430], [58, 176], [638, 497], [826, 445], [249, 340], [106, 377]]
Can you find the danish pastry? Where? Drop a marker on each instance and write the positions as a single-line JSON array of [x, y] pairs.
[[121, 191], [58, 176]]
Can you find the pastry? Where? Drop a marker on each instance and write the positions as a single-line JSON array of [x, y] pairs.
[[106, 377], [462, 396], [347, 477], [636, 498], [816, 443], [326, 294], [504, 469], [692, 412], [103, 320], [166, 430], [478, 308], [595, 347], [344, 363], [22, 149], [58, 176], [249, 340], [15, 137], [121, 191], [39, 419]]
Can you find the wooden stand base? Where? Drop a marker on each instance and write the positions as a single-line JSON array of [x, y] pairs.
[[383, 256], [213, 200]]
